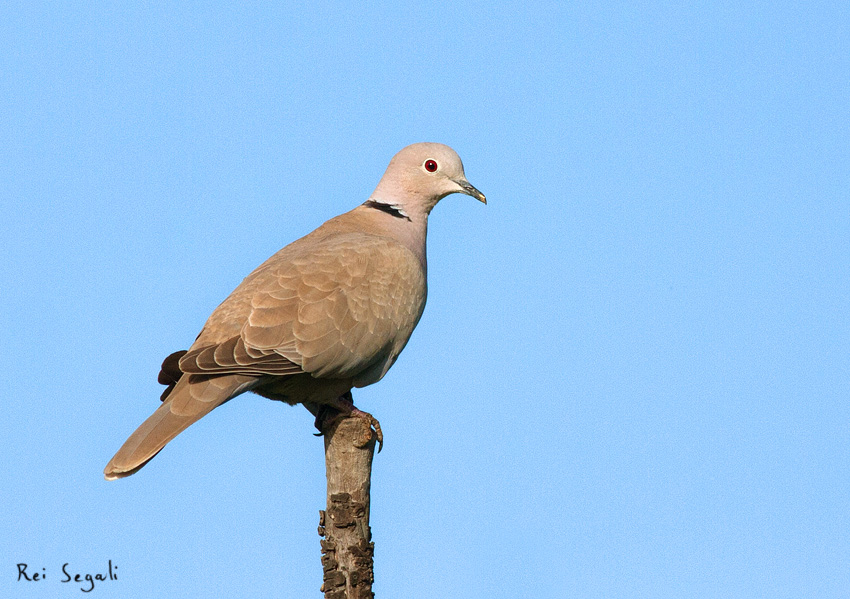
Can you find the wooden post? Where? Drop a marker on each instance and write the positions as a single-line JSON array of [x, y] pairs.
[[347, 546]]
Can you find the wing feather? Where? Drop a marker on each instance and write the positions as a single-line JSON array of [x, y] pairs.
[[334, 310]]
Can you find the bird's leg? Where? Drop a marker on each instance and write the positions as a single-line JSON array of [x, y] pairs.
[[346, 402], [343, 407]]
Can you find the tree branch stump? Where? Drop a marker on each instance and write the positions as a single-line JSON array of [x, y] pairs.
[[347, 546]]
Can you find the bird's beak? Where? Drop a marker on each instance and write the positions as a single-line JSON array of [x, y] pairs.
[[467, 188]]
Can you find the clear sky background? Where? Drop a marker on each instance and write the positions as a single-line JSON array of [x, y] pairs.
[[632, 378]]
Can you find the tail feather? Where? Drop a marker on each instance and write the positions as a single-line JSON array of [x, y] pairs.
[[192, 398]]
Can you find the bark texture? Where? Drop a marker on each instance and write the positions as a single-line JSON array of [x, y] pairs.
[[347, 546]]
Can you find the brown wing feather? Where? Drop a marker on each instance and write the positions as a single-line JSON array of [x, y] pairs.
[[335, 310], [170, 373], [233, 357]]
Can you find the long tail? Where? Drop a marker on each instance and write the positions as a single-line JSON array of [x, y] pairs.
[[192, 398]]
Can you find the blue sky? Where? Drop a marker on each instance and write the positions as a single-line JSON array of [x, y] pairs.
[[633, 372]]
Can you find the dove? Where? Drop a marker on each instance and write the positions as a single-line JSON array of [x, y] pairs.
[[329, 312]]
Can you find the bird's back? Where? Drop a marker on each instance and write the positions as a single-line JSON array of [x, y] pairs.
[[338, 303]]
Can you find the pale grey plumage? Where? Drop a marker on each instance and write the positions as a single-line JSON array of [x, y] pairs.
[[328, 312]]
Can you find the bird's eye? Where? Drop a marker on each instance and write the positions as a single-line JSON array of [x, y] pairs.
[[431, 166]]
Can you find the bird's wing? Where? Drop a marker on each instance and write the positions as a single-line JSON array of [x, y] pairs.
[[335, 308]]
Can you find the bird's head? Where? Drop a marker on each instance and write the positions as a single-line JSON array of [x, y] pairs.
[[421, 175]]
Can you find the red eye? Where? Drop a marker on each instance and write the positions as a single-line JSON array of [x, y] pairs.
[[430, 166]]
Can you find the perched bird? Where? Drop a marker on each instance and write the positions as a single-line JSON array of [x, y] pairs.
[[329, 312]]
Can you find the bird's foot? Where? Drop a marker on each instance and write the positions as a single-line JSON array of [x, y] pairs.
[[343, 407], [375, 428]]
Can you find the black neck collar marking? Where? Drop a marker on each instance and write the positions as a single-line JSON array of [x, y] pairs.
[[390, 209]]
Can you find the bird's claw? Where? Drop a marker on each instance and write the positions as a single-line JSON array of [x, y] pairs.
[[329, 414], [374, 428]]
